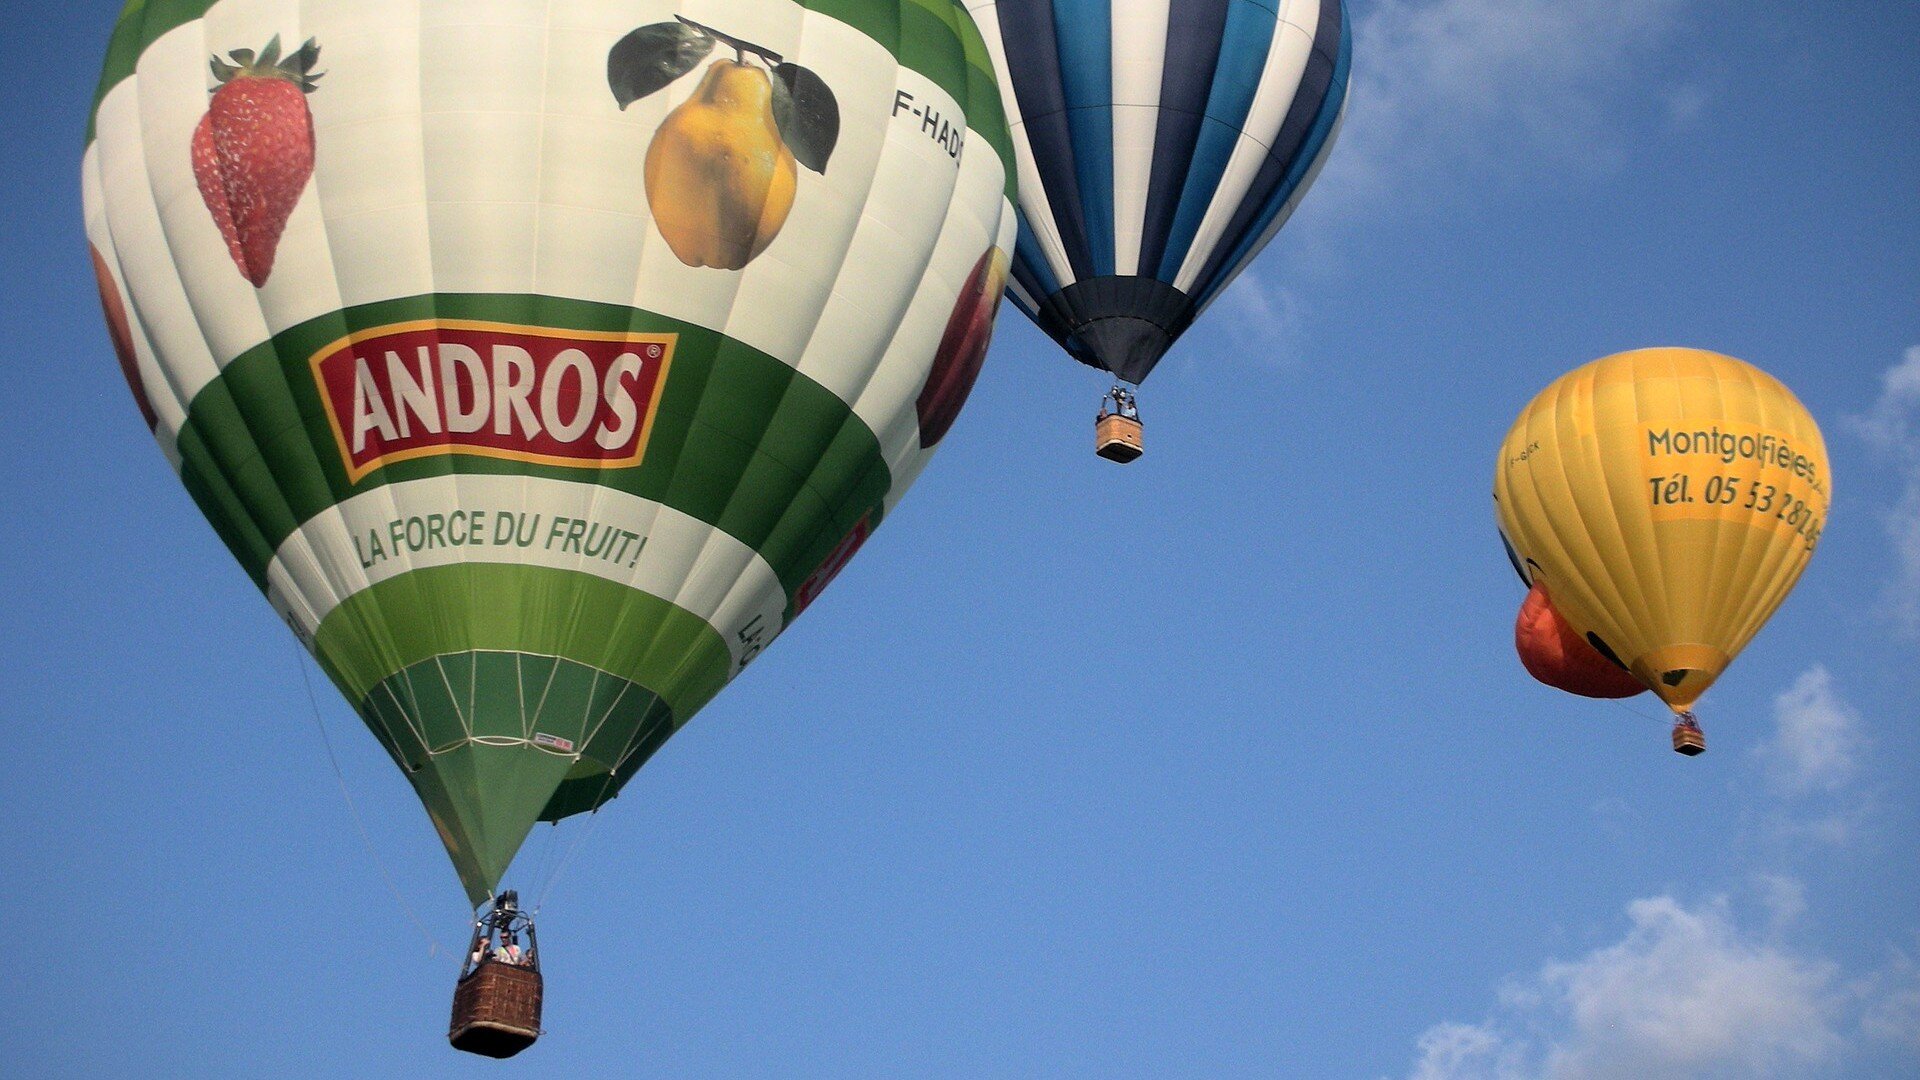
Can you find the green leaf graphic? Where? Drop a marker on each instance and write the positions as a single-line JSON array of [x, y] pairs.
[[807, 114], [653, 56]]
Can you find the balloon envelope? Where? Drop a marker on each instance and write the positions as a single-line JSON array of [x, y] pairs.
[[1667, 499], [1161, 144], [541, 362]]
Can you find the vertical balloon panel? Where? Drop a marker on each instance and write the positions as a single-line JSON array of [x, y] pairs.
[[533, 440]]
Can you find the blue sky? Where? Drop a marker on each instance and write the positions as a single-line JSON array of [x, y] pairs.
[[1218, 764]]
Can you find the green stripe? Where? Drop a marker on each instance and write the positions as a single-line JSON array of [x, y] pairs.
[[440, 656], [937, 38], [741, 441], [506, 607], [986, 113], [425, 711], [483, 801], [940, 40]]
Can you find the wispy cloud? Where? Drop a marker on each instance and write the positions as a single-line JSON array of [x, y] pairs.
[[1892, 1014], [1453, 1051], [1685, 993], [1892, 427], [1446, 88], [1264, 318], [1503, 81], [1813, 768], [1817, 738]]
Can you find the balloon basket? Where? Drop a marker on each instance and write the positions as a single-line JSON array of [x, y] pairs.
[[1688, 740], [496, 1010], [1117, 438], [496, 1003]]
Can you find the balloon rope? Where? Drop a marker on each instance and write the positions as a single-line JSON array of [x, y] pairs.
[[433, 946], [594, 814], [549, 846], [1666, 719], [566, 860]]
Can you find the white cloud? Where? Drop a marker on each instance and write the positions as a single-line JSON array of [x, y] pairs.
[[1466, 1052], [1686, 105], [1684, 994], [1892, 426], [1892, 1014], [1263, 317], [1903, 529], [1684, 991], [1784, 897], [1812, 765], [1510, 81], [1817, 737], [1480, 87]]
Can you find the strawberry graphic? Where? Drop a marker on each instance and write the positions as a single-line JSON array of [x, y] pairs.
[[253, 151]]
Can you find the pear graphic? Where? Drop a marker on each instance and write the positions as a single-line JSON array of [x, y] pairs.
[[719, 177]]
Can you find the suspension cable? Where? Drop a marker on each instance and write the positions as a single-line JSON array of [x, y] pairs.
[[599, 803], [353, 812]]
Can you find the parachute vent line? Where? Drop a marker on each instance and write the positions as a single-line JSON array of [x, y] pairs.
[[353, 812]]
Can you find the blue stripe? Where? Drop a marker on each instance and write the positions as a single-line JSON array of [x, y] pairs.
[[1033, 64], [1245, 43], [1323, 89], [1030, 267], [1186, 82], [1084, 31]]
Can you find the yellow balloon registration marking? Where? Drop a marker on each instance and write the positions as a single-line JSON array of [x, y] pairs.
[[1669, 499]]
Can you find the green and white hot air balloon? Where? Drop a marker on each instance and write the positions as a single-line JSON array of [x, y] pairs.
[[540, 362]]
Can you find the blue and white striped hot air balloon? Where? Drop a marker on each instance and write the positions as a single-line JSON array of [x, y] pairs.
[[1161, 144]]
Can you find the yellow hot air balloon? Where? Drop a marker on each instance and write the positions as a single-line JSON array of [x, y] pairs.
[[1668, 498]]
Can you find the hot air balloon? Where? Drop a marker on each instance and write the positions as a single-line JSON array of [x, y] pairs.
[[540, 363], [1161, 144], [1661, 503]]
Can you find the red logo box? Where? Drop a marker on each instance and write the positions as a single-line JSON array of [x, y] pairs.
[[454, 386]]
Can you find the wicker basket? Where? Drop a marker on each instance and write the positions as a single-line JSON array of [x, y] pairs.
[[1688, 740], [496, 1010], [1117, 438]]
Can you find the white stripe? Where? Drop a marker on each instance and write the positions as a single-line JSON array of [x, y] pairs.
[[140, 251], [873, 287], [1279, 85], [1293, 202], [686, 561], [1033, 195], [900, 443], [1139, 57], [171, 99], [169, 412], [887, 401]]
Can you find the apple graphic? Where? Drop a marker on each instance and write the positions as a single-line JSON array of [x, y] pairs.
[[120, 331], [956, 364]]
